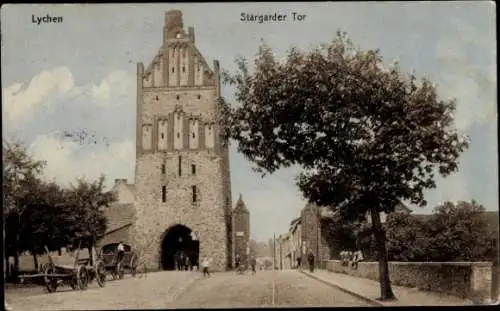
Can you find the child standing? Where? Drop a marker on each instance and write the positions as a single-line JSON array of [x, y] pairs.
[[205, 264]]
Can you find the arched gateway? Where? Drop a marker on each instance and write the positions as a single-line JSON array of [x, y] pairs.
[[182, 163], [179, 242]]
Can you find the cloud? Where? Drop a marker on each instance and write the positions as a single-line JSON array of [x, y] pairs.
[[19, 104], [470, 80], [45, 89], [116, 83], [68, 160]]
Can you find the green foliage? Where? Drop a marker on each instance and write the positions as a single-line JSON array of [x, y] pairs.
[[85, 217], [40, 213], [460, 232], [340, 234], [267, 263], [405, 237], [455, 232], [366, 137]]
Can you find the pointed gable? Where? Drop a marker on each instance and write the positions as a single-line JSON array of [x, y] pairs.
[[240, 206]]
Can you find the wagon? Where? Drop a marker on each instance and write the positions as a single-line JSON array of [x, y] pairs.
[[117, 268], [77, 276]]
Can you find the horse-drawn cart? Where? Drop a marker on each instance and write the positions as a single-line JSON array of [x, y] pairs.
[[115, 267], [77, 276]]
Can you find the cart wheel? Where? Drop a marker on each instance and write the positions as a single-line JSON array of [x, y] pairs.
[[82, 277], [120, 270], [100, 273], [50, 281]]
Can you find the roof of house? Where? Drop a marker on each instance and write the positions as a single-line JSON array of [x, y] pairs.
[[240, 205], [295, 221], [119, 215]]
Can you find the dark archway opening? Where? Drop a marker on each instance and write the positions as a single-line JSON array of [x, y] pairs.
[[180, 249]]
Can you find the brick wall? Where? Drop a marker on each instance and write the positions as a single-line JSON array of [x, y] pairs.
[[313, 236], [461, 279]]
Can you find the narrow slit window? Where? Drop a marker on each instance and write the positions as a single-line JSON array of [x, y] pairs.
[[173, 69], [178, 135], [195, 198], [164, 194], [183, 69], [156, 97], [178, 97], [163, 168], [193, 169], [180, 162], [199, 96], [194, 136], [162, 135]]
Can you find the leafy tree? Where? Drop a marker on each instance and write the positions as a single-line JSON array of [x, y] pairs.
[[267, 264], [42, 222], [459, 232], [340, 234], [406, 237], [366, 137], [84, 215], [20, 170]]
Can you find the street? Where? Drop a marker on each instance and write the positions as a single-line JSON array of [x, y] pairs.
[[286, 288]]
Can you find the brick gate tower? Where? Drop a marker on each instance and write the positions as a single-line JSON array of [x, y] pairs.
[[241, 231], [183, 191]]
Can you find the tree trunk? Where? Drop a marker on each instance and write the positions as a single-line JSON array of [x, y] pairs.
[[383, 265], [15, 271], [35, 260], [7, 268]]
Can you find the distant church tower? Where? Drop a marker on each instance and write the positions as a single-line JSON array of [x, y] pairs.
[[241, 226], [183, 190]]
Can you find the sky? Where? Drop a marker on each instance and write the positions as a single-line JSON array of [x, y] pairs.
[[79, 76]]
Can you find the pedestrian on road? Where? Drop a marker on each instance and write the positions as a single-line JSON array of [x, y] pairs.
[[205, 264], [310, 259], [121, 252], [298, 262], [253, 263], [237, 263]]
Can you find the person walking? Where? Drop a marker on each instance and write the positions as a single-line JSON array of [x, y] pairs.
[[253, 263], [237, 263], [186, 263], [205, 265], [298, 262], [310, 259], [121, 252]]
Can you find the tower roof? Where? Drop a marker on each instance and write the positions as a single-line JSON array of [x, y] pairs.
[[240, 205]]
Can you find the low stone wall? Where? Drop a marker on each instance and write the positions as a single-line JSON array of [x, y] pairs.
[[461, 279]]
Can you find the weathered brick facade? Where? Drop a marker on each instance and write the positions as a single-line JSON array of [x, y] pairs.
[[182, 169], [313, 237], [241, 227]]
